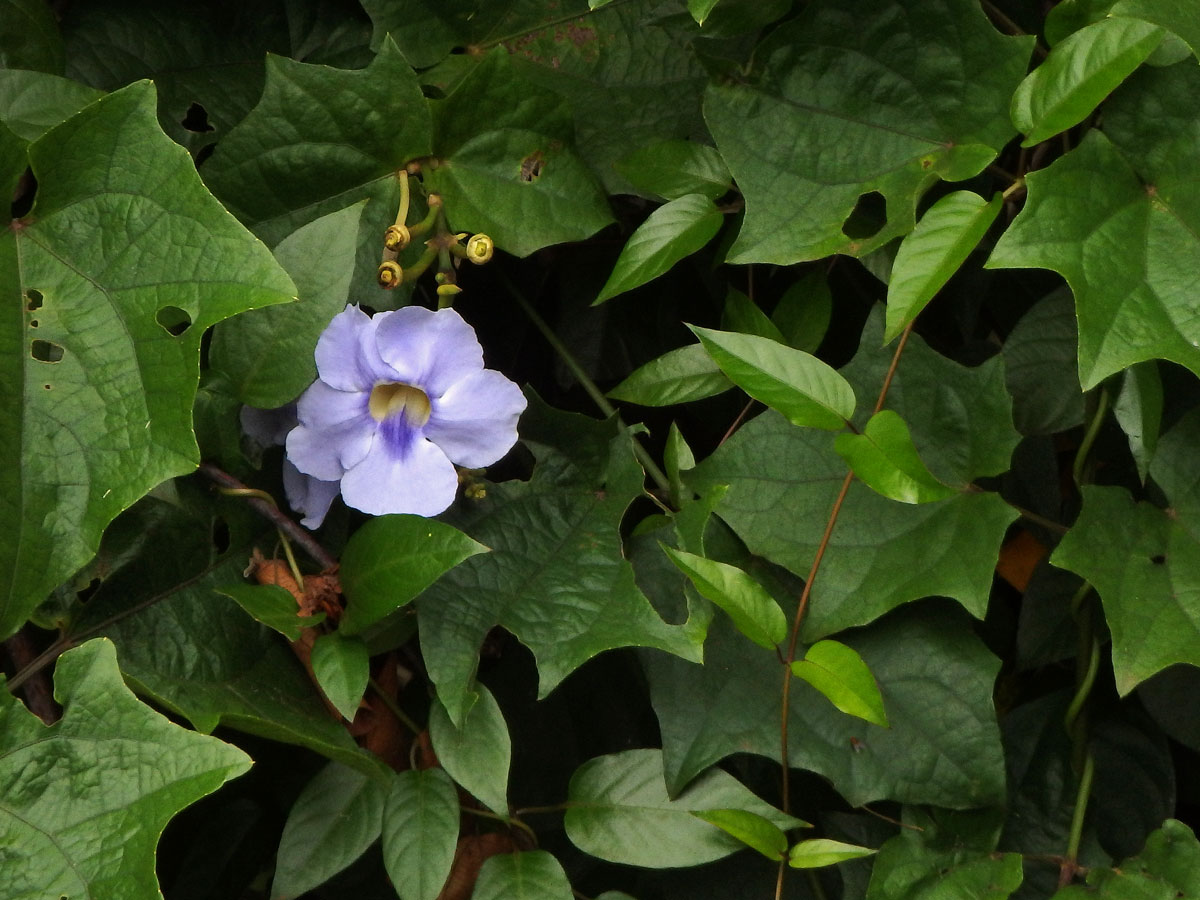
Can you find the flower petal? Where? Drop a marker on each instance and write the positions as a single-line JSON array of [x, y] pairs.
[[430, 350], [334, 433], [346, 354], [475, 422], [422, 482], [308, 495]]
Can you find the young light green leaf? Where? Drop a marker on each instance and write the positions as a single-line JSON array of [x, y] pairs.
[[420, 832], [750, 828], [677, 458], [532, 875], [1166, 868], [805, 389], [933, 252], [272, 605], [115, 355], [392, 559], [741, 314], [885, 459], [1078, 74], [838, 672], [477, 754], [802, 314], [1138, 410], [342, 668], [673, 169], [110, 766], [619, 810], [752, 609], [678, 376], [700, 9], [335, 819], [819, 852], [674, 230]]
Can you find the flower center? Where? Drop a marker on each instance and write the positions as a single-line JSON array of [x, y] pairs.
[[391, 399]]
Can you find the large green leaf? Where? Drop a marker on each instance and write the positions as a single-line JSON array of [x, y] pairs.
[[943, 239], [391, 559], [531, 875], [111, 768], [1078, 74], [266, 355], [782, 484], [673, 169], [101, 378], [215, 665], [805, 389], [866, 113], [1118, 218], [935, 677], [319, 140], [1041, 366], [619, 810], [29, 37], [31, 103], [1145, 562], [342, 667], [944, 854], [673, 231], [420, 831], [337, 816], [556, 577], [506, 166], [1165, 870], [477, 755]]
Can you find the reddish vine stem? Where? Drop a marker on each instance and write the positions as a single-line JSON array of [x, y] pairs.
[[802, 606], [272, 513]]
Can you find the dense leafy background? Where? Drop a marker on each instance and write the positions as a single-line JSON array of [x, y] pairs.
[[854, 524]]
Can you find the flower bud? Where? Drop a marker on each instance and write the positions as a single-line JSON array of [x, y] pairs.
[[396, 238], [479, 249], [448, 290], [389, 275]]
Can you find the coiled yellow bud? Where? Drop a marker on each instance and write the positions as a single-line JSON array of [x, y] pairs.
[[389, 275], [480, 248], [396, 238]]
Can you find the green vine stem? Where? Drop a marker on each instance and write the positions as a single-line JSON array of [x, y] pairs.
[[643, 455], [1087, 665]]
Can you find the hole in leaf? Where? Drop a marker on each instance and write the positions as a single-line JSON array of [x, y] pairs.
[[196, 119], [33, 323], [869, 215], [46, 386], [175, 320], [220, 535], [45, 351], [532, 165], [1158, 559], [33, 299]]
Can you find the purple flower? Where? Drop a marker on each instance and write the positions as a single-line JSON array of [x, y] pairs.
[[308, 495], [400, 399]]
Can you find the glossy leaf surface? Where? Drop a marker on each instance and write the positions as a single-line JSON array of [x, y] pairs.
[[96, 773], [754, 612], [103, 365], [838, 672]]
